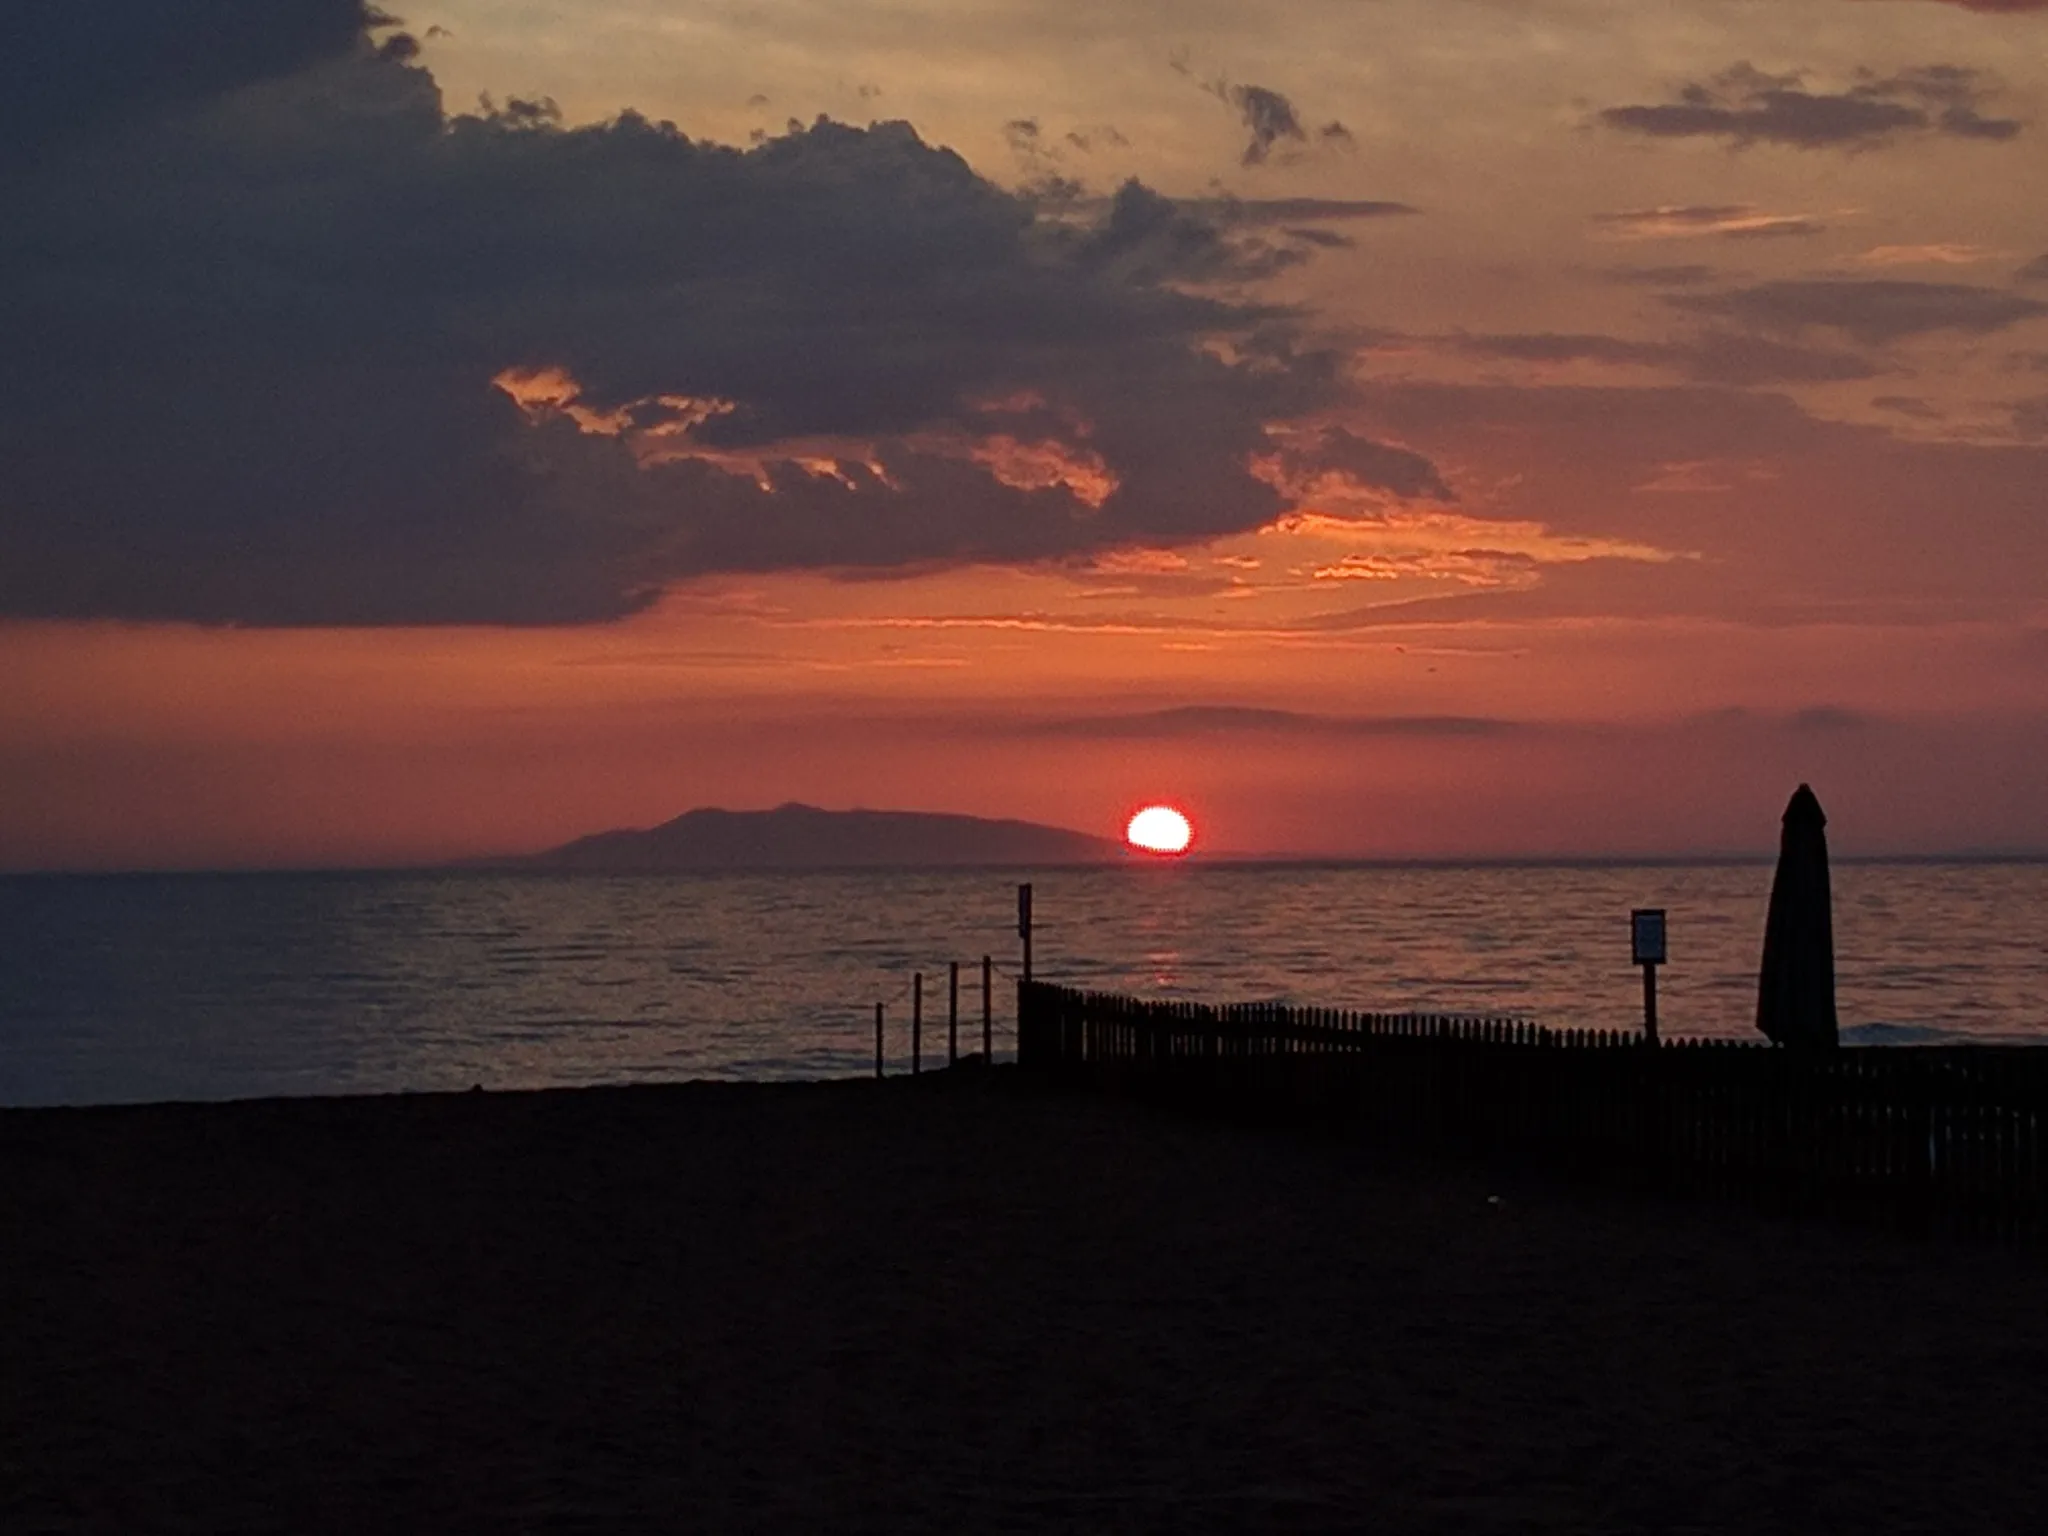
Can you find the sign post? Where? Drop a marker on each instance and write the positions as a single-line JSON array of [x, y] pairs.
[[1024, 925], [1646, 948]]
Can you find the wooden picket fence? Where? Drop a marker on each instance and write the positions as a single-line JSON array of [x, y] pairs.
[[1944, 1138]]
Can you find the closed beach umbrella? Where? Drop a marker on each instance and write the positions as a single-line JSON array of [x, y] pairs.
[[1795, 999]]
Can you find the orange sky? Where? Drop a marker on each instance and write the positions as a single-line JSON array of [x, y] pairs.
[[1662, 462]]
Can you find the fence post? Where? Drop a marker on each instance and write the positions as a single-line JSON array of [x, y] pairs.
[[953, 1014], [1949, 1138], [916, 1023], [988, 1018], [878, 1040]]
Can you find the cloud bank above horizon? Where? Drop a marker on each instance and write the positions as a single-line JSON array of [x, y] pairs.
[[1056, 363]]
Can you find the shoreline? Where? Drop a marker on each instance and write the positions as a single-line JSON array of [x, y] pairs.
[[936, 1305]]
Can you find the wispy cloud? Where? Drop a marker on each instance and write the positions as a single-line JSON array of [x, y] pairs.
[[1940, 254], [1744, 105], [1715, 356], [1260, 211], [1998, 7], [1689, 221], [1240, 720], [1448, 544], [1675, 275], [1269, 117], [1874, 311]]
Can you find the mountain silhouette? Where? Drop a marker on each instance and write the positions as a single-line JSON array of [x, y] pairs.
[[804, 837]]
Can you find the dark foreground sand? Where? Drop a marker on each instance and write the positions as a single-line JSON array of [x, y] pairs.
[[954, 1306]]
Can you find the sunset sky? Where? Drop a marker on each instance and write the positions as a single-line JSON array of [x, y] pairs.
[[1384, 427]]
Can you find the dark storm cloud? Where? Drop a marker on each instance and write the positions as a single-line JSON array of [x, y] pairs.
[[1712, 357], [2035, 271], [247, 358], [1745, 105], [1874, 311], [69, 67]]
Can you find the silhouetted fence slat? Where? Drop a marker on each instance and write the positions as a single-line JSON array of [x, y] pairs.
[[1947, 1137]]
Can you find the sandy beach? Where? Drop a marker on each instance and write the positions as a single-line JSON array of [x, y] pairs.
[[954, 1305]]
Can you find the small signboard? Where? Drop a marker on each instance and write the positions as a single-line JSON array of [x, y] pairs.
[[1646, 935], [1023, 911]]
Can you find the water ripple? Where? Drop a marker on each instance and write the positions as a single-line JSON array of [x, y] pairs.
[[122, 988]]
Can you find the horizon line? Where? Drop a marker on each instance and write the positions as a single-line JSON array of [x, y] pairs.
[[475, 865]]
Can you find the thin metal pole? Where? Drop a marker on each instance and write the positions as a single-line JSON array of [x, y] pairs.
[[1024, 925], [953, 1014], [988, 1031], [916, 1023], [878, 1040]]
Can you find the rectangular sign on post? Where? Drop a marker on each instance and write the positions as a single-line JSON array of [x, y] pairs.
[[1646, 935], [1023, 911]]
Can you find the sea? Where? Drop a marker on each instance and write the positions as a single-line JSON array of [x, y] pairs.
[[136, 988]]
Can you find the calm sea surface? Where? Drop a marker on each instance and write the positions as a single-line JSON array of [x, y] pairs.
[[127, 988]]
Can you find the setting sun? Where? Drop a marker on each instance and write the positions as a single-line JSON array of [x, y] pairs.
[[1159, 829]]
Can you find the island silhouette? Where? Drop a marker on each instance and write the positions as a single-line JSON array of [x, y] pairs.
[[797, 836]]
